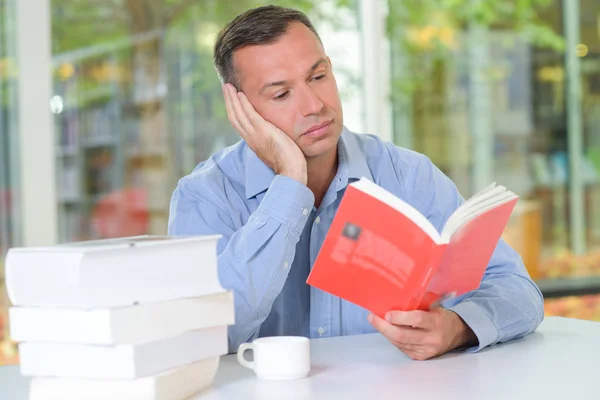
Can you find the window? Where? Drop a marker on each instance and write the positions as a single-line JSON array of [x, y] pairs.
[[9, 201], [138, 104], [487, 102]]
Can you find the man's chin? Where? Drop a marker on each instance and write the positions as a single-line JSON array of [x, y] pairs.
[[317, 148]]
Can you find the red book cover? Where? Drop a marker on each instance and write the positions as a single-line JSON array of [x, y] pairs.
[[380, 254]]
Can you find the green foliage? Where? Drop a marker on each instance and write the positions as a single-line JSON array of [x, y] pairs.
[[424, 32], [427, 32], [85, 24]]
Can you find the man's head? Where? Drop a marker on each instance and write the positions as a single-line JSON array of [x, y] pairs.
[[275, 56]]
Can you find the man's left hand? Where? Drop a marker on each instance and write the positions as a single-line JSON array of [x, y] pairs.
[[424, 334]]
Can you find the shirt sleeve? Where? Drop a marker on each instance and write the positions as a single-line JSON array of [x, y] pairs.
[[254, 260], [508, 304]]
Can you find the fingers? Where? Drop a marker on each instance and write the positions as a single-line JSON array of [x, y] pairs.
[[419, 334], [398, 334], [417, 319], [414, 351], [229, 107], [420, 354], [249, 110], [236, 113]]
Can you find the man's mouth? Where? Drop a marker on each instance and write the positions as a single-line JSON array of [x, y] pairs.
[[316, 128]]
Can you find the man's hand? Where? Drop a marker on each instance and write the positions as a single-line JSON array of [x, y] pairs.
[[271, 145], [424, 334]]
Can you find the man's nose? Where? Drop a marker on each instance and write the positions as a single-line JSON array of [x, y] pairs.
[[311, 104]]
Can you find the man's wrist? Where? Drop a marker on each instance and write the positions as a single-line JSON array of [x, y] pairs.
[[299, 175], [464, 335]]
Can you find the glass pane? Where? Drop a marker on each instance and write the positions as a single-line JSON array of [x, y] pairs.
[[589, 52], [488, 102], [9, 202], [559, 258], [138, 105]]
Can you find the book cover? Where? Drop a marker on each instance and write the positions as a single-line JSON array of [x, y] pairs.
[[121, 362], [125, 325], [175, 384], [112, 273], [380, 253]]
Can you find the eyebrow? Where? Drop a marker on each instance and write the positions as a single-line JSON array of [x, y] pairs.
[[280, 83]]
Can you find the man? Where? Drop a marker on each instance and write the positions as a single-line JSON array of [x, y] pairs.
[[273, 195]]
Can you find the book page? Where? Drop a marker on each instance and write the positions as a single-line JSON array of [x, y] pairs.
[[395, 202], [455, 220], [476, 205]]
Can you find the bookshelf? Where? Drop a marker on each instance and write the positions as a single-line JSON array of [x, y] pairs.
[[113, 150], [88, 152]]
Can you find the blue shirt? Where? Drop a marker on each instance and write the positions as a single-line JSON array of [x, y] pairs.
[[272, 232]]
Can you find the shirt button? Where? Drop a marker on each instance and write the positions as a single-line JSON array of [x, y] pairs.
[[321, 331], [318, 219], [305, 211], [286, 265]]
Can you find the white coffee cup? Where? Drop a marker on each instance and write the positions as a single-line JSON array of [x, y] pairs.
[[278, 357]]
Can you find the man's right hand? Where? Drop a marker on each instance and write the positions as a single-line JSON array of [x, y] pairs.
[[273, 146]]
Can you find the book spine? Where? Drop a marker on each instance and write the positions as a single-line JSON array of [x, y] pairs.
[[424, 298]]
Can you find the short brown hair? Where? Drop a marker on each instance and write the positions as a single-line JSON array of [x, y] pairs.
[[261, 25]]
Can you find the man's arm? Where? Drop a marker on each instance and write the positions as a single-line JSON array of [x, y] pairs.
[[507, 305], [254, 260]]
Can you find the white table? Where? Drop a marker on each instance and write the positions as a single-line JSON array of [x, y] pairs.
[[561, 360]]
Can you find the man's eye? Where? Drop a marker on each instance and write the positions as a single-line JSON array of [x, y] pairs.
[[319, 77], [281, 96]]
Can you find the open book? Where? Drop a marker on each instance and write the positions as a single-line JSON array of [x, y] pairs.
[[382, 254]]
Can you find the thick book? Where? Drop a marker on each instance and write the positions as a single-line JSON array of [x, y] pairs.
[[124, 361], [125, 325], [382, 254], [113, 272], [176, 384]]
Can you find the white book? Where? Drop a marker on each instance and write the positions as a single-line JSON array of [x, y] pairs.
[[127, 325], [113, 272], [175, 384], [124, 361]]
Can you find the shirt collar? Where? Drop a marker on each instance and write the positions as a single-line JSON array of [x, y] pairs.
[[352, 165]]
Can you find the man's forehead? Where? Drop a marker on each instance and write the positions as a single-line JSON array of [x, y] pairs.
[[267, 65]]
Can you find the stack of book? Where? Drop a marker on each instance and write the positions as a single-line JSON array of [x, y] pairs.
[[128, 318]]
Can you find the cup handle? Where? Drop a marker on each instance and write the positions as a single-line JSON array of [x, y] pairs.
[[240, 355]]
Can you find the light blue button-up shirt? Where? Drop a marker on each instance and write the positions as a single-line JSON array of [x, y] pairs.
[[272, 232]]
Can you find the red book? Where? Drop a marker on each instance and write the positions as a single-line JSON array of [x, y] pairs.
[[382, 254]]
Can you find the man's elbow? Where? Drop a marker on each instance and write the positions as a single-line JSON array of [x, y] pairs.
[[539, 309], [536, 302]]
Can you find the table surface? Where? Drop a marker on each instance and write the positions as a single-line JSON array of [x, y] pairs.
[[560, 360]]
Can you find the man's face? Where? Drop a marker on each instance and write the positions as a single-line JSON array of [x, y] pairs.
[[290, 84]]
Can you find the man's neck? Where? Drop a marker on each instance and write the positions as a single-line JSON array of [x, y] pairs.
[[321, 172]]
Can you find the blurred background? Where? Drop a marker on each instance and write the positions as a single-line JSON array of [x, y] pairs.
[[105, 104]]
